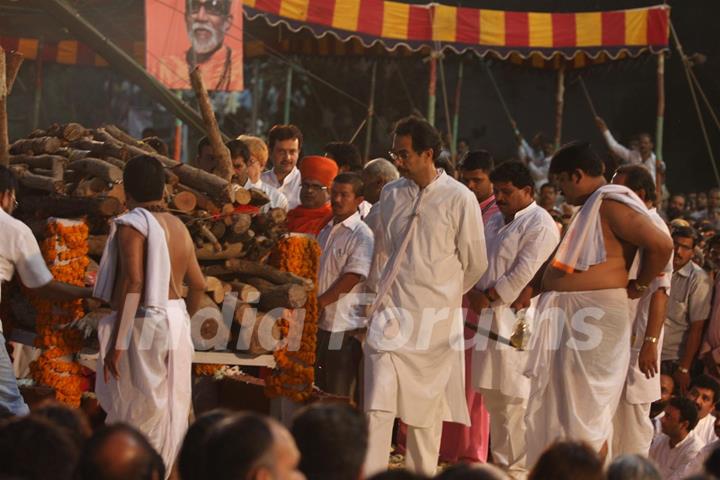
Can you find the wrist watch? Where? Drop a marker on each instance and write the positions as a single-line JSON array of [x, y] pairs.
[[683, 370], [651, 339], [640, 287]]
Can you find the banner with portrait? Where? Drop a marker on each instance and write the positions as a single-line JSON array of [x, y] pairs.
[[183, 34]]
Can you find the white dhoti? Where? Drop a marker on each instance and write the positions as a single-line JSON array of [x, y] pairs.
[[578, 366], [153, 391]]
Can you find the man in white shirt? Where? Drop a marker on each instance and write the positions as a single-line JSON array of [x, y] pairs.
[[285, 144], [644, 154], [347, 244], [19, 251], [632, 427], [676, 447], [256, 161], [525, 236], [697, 466], [537, 156], [414, 359], [705, 392]]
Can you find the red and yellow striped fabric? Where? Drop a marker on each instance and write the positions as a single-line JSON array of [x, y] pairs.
[[504, 33], [67, 52]]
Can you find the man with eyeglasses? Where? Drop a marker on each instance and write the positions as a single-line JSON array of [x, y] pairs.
[[314, 212], [414, 356], [19, 251], [687, 311], [207, 22], [285, 143]]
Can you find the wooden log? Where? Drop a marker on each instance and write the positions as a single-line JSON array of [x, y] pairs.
[[218, 229], [258, 198], [220, 151], [96, 245], [111, 160], [73, 131], [242, 195], [289, 295], [227, 212], [207, 329], [207, 252], [215, 289], [184, 201], [36, 145], [246, 268], [74, 153], [13, 61], [208, 235], [71, 207], [39, 161], [277, 215], [170, 178], [246, 292], [214, 186], [38, 132], [124, 137], [203, 201], [90, 187], [241, 223], [97, 168], [39, 182], [101, 149]]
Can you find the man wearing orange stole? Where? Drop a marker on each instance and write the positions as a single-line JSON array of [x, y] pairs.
[[314, 212]]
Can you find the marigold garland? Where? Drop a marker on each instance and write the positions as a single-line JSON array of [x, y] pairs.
[[65, 251], [207, 369], [294, 372]]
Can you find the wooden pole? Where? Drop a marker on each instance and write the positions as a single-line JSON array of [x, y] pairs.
[[37, 101], [220, 151], [432, 87], [178, 144], [456, 114], [288, 95], [446, 107], [9, 68], [659, 177], [559, 105], [371, 112], [256, 89]]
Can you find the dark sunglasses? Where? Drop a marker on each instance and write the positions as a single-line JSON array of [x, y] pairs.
[[212, 7]]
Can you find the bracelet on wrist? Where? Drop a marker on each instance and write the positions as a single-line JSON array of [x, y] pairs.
[[683, 370], [650, 339]]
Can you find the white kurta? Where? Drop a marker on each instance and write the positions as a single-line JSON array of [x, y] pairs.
[[673, 463], [290, 186], [697, 466], [515, 253], [705, 429], [444, 258]]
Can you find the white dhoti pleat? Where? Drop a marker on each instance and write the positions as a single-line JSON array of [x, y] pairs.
[[153, 391], [578, 366]]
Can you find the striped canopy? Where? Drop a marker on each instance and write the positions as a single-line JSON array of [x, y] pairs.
[[614, 33]]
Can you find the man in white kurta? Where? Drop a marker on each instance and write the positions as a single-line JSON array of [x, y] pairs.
[[674, 450], [525, 237], [414, 356], [633, 428]]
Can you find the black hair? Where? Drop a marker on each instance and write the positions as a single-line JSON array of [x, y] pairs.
[[8, 180], [345, 155], [354, 179], [278, 133], [688, 410], [235, 445], [637, 178], [568, 460], [93, 465], [202, 143], [238, 149], [72, 420], [709, 383], [191, 459], [576, 155], [685, 232], [144, 179], [424, 135], [548, 185], [157, 144], [514, 172], [34, 448], [332, 439], [477, 160]]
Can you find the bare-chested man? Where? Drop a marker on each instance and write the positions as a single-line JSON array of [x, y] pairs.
[[582, 329], [145, 347]]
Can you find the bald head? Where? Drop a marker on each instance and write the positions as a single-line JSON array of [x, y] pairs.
[[376, 174]]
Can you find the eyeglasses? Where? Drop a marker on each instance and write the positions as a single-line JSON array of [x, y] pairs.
[[400, 155], [313, 187], [212, 7]]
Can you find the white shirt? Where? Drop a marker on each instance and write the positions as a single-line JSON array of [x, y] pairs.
[[290, 187], [277, 199], [697, 466], [705, 429], [632, 156], [19, 250], [673, 462], [364, 208], [445, 257], [515, 254], [347, 247], [537, 163]]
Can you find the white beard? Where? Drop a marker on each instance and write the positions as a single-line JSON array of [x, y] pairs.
[[208, 45]]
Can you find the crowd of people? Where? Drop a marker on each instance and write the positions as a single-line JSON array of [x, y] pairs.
[[544, 317]]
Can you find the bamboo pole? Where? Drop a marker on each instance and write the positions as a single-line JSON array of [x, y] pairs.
[[9, 68], [559, 105], [659, 177], [371, 112], [432, 87], [456, 114], [37, 100], [288, 95], [220, 151], [256, 89]]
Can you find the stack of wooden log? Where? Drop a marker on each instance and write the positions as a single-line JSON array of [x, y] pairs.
[[70, 171]]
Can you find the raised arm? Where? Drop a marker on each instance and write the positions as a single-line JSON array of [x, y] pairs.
[[616, 148]]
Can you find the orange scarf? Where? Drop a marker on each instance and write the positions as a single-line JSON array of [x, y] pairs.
[[308, 220]]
